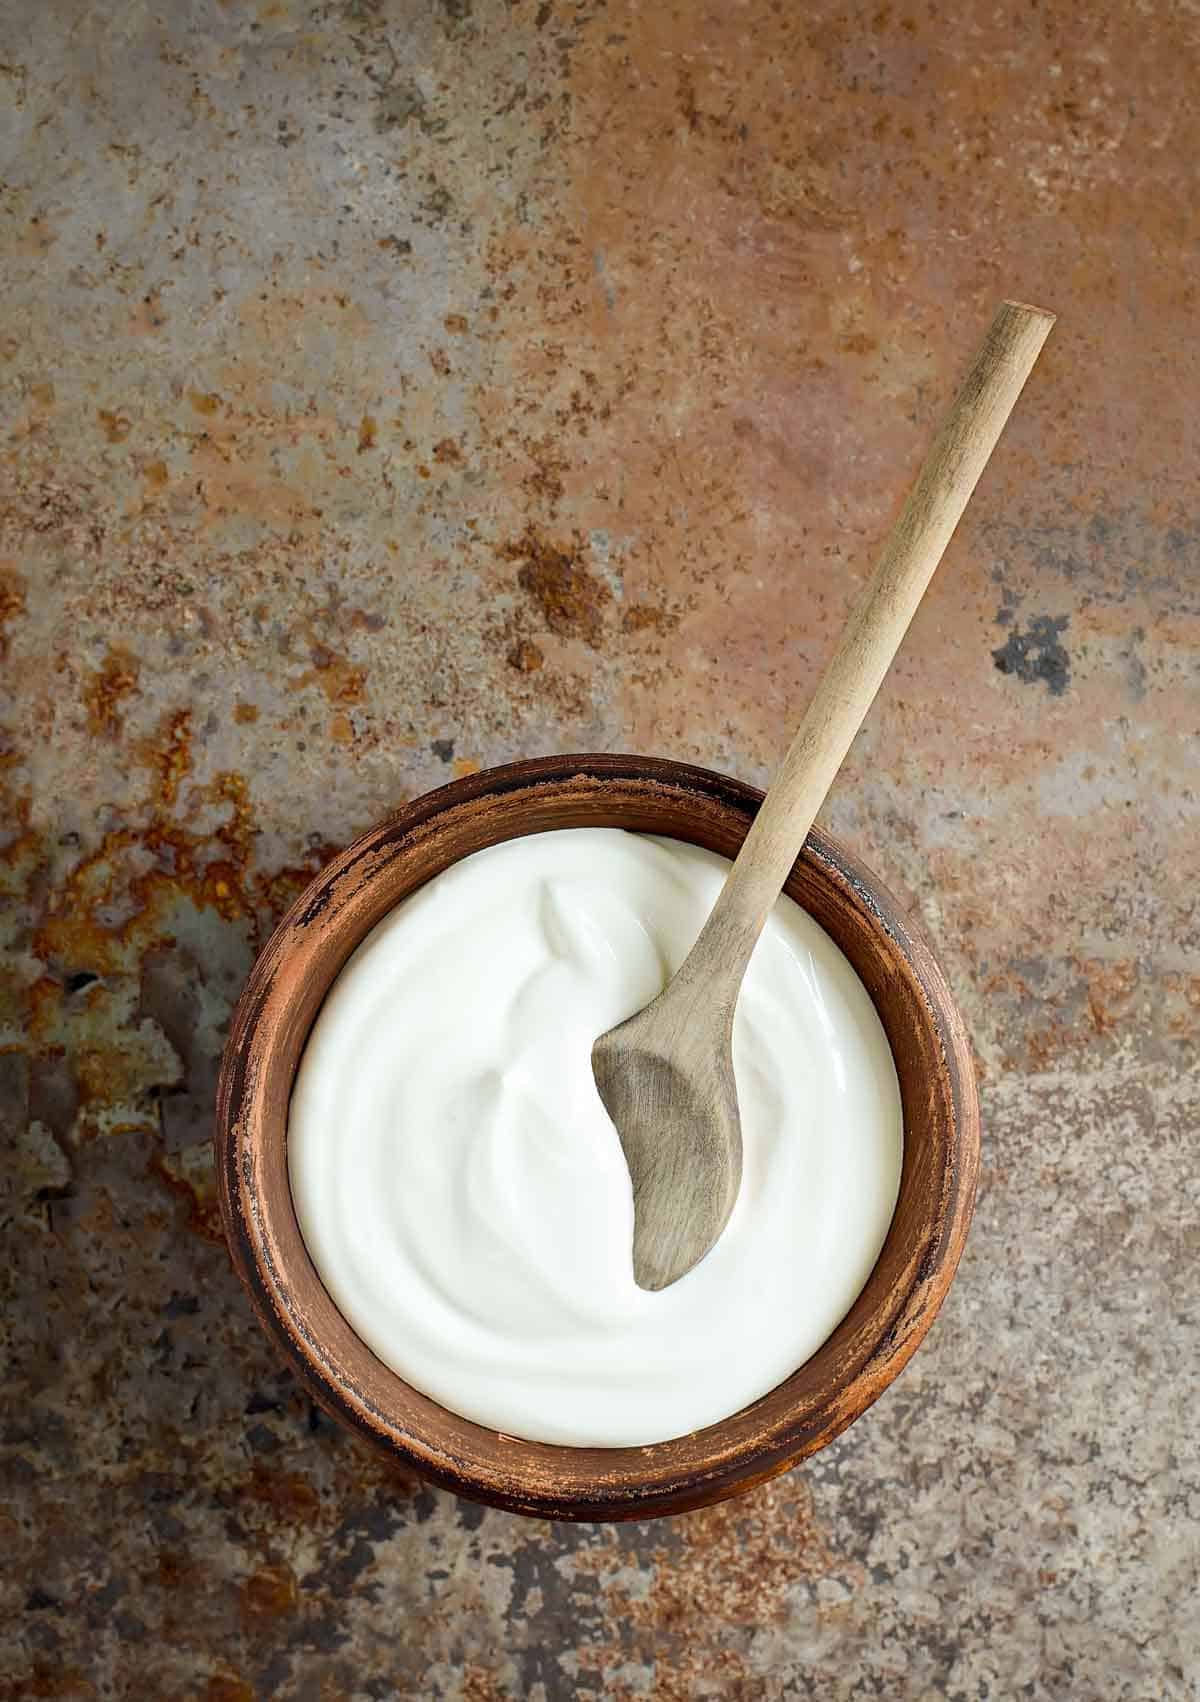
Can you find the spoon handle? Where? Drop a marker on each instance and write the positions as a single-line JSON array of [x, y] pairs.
[[872, 636]]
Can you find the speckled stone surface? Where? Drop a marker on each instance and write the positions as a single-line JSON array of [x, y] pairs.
[[395, 388]]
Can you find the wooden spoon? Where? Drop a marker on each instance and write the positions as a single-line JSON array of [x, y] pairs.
[[666, 1074]]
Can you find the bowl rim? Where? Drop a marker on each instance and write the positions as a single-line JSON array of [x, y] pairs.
[[623, 1483]]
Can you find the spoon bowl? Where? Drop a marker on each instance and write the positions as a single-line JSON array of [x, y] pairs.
[[673, 1101]]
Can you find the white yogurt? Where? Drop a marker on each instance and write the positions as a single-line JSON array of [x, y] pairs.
[[463, 1192]]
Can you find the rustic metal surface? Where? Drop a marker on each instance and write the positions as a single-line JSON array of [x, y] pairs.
[[391, 388]]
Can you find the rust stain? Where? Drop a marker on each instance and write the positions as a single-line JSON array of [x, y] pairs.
[[174, 1569], [288, 1496], [69, 934], [1110, 987], [368, 432], [43, 999], [363, 620], [191, 1181], [1182, 1002], [245, 713], [340, 681], [115, 680], [237, 833], [572, 601], [479, 1685], [1047, 1043], [456, 324], [858, 343], [648, 617], [341, 729], [464, 765], [48, 1684], [447, 453], [107, 1075], [222, 1687], [204, 401], [545, 483], [170, 757], [525, 656], [116, 426], [736, 1566], [1066, 1006], [12, 600], [142, 874], [268, 1594], [741, 1558]]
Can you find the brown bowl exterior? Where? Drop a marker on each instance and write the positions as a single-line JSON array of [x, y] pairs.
[[867, 1350]]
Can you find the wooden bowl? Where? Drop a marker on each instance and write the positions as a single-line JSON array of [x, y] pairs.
[[866, 1351]]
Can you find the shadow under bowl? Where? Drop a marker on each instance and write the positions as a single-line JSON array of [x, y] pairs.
[[817, 1402]]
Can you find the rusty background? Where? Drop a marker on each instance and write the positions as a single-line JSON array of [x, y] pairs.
[[392, 387]]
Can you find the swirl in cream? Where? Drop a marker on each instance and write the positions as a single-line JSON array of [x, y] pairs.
[[463, 1193]]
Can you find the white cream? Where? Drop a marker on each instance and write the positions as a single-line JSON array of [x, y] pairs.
[[462, 1190]]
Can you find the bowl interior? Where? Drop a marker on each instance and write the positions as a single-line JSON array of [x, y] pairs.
[[843, 1377]]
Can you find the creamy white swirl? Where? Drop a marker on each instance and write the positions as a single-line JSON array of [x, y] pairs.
[[463, 1193]]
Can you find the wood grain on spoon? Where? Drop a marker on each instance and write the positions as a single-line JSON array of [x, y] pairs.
[[666, 1074]]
